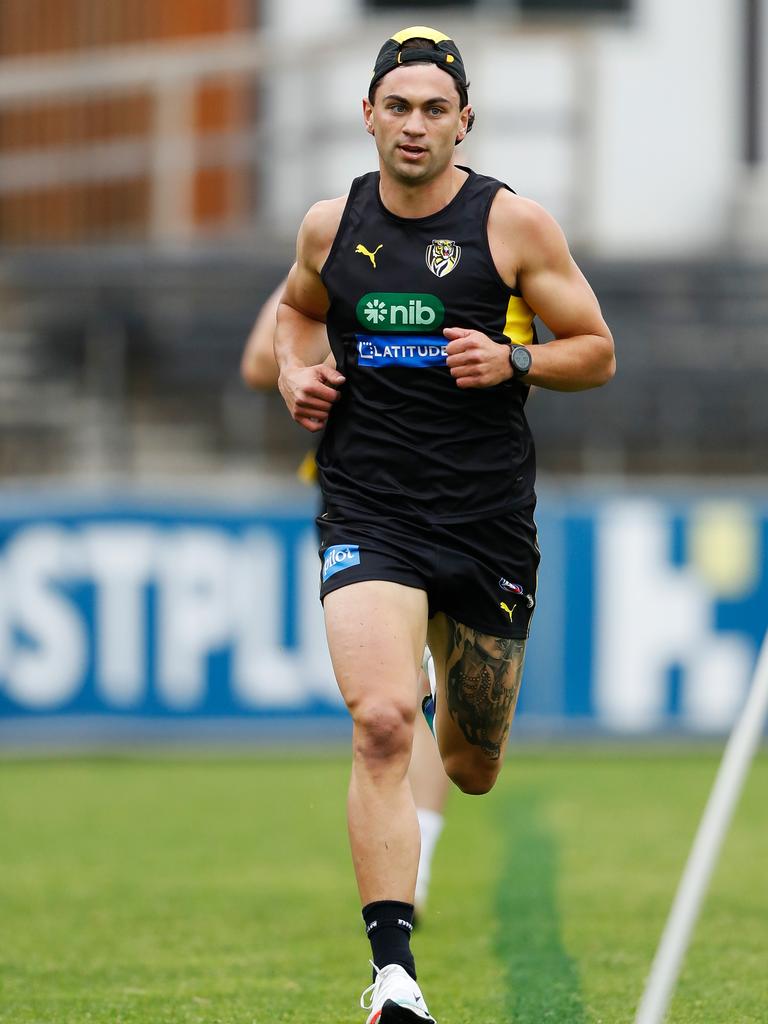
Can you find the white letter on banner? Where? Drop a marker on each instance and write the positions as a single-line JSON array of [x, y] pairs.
[[313, 646], [120, 559], [651, 616], [265, 674], [5, 626], [48, 669], [195, 567]]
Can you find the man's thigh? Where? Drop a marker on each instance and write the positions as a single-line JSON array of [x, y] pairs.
[[478, 681], [376, 632]]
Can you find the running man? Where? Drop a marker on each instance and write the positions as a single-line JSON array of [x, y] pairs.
[[426, 462]]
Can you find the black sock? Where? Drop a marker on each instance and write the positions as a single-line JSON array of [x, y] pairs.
[[388, 925]]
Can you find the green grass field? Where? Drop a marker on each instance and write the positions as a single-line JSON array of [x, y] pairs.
[[219, 891]]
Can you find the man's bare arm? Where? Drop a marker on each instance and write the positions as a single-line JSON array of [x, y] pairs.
[[530, 252], [581, 355], [308, 386], [258, 366]]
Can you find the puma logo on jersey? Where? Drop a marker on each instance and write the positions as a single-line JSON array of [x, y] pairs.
[[371, 255], [505, 608]]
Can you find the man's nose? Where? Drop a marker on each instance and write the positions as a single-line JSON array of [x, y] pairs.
[[415, 123]]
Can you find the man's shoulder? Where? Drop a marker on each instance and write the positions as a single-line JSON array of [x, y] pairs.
[[319, 228], [525, 216], [323, 218], [523, 228]]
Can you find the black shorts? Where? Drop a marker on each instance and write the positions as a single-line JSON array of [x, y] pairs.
[[482, 573]]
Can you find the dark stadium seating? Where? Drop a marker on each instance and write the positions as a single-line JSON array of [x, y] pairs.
[[122, 361]]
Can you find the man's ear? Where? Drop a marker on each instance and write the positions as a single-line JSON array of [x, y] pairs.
[[368, 116], [465, 126]]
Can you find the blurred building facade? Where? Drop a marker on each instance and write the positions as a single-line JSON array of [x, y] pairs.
[[156, 158], [97, 145]]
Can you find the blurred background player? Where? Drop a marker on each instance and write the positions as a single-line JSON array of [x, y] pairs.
[[429, 783]]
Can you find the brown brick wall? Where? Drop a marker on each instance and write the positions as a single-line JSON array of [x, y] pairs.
[[57, 26], [119, 208]]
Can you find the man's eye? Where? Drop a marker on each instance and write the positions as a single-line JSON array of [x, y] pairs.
[[436, 111]]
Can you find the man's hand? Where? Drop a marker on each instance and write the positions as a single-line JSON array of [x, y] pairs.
[[475, 361], [309, 393]]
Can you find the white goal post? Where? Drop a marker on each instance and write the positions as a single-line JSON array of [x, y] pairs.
[[737, 758]]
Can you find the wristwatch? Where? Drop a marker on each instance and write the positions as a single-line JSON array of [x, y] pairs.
[[520, 360]]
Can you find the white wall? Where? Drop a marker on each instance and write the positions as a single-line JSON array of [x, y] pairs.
[[667, 127], [627, 132]]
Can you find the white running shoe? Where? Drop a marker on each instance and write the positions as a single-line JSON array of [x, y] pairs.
[[395, 998]]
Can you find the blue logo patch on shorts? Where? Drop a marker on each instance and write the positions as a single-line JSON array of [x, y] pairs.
[[340, 556]]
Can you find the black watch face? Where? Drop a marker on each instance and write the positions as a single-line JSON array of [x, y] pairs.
[[521, 359]]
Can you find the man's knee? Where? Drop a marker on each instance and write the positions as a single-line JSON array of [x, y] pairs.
[[383, 730], [473, 775]]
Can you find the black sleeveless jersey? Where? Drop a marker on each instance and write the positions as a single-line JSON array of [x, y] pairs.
[[403, 438]]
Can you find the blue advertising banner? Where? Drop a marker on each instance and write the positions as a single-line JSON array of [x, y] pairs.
[[649, 616]]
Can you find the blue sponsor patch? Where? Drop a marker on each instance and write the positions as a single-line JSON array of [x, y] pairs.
[[340, 556], [384, 350]]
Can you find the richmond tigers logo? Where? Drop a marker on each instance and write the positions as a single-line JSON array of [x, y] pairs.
[[443, 256]]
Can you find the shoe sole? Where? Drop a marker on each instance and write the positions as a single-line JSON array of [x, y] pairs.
[[394, 1013]]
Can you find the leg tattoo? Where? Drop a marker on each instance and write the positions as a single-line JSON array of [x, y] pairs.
[[482, 682]]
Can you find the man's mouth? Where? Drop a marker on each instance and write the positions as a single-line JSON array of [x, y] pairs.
[[411, 150]]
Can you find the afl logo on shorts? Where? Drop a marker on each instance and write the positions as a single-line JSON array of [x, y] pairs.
[[338, 557], [513, 588], [443, 256]]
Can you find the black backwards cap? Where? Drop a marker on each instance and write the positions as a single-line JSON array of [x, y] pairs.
[[443, 52]]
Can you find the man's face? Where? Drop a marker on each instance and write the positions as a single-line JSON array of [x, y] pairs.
[[415, 120]]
